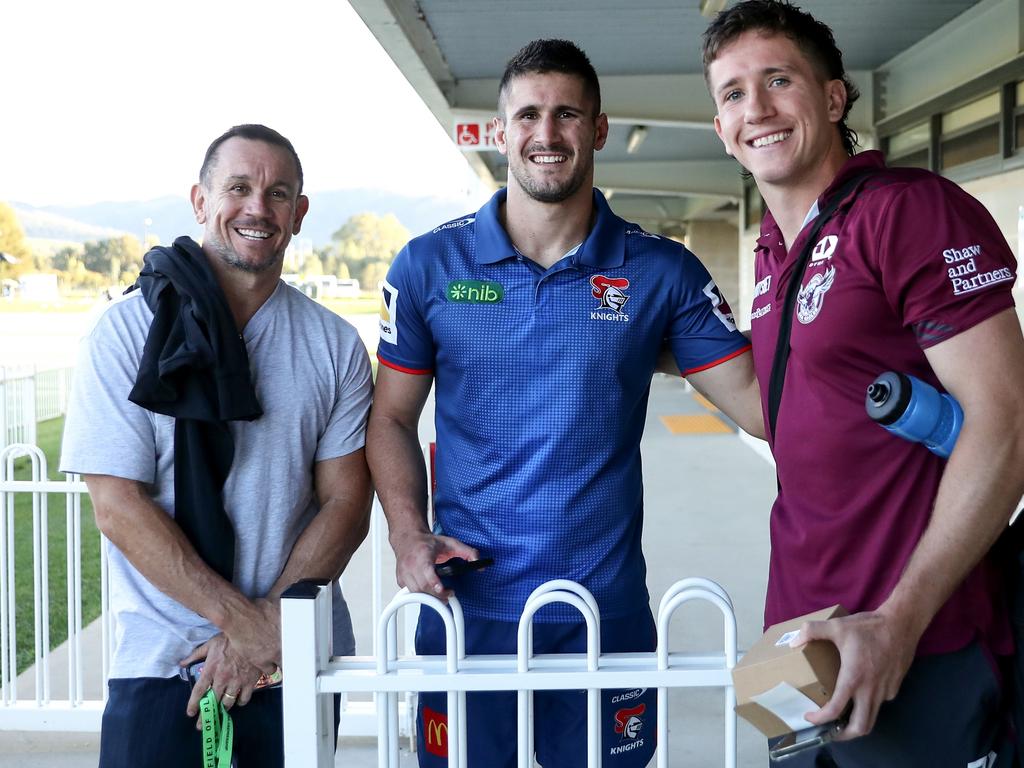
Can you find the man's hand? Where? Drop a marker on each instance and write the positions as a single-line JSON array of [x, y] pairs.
[[255, 634], [416, 554], [232, 678], [875, 652]]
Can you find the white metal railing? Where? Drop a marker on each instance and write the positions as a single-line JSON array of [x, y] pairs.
[[72, 709], [28, 396], [313, 675], [46, 709]]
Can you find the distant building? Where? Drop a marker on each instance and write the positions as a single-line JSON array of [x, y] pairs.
[[329, 287], [37, 286]]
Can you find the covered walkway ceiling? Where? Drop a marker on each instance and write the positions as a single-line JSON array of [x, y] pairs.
[[647, 53]]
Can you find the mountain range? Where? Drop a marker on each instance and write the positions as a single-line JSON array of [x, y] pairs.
[[168, 217]]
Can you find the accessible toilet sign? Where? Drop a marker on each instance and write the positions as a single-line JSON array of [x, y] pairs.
[[474, 135]]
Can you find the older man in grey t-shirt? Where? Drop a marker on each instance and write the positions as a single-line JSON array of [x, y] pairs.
[[297, 493]]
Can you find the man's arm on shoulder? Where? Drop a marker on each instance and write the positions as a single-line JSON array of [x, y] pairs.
[[399, 475], [732, 386], [983, 480]]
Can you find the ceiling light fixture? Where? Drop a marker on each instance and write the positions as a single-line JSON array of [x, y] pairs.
[[636, 137], [709, 8]]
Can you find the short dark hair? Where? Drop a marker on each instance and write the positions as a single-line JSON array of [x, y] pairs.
[[253, 132], [811, 36], [542, 56]]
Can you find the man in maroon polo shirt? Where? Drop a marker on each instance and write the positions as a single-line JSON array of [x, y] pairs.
[[911, 274]]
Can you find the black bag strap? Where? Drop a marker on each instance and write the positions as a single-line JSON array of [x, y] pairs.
[[781, 359]]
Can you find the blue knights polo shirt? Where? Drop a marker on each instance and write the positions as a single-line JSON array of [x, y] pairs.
[[542, 379]]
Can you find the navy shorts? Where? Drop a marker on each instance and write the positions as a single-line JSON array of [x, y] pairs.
[[628, 717], [949, 712], [144, 724]]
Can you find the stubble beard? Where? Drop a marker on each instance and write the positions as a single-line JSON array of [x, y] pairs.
[[548, 192], [230, 257]]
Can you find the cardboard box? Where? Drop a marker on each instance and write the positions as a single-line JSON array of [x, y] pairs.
[[780, 677]]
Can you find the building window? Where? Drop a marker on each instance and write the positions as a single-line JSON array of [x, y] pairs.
[[1018, 118], [971, 132], [910, 146]]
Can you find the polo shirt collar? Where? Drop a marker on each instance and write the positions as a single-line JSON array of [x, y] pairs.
[[859, 162], [603, 248]]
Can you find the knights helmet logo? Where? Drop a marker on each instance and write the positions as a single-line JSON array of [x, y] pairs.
[[610, 291], [628, 722]]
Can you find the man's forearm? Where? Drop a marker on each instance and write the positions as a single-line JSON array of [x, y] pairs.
[[325, 547], [983, 479], [158, 549], [982, 482], [399, 475]]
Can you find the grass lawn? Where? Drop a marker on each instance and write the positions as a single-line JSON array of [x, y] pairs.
[[48, 437], [65, 304], [367, 304]]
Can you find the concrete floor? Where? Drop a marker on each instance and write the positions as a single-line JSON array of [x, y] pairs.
[[707, 502]]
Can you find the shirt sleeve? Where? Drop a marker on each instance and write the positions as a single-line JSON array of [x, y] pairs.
[[702, 332], [406, 343], [105, 433], [944, 264], [346, 427]]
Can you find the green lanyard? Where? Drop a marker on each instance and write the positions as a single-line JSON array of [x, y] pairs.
[[218, 732]]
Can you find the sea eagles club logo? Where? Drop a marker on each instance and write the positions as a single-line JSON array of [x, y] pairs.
[[611, 292], [812, 295]]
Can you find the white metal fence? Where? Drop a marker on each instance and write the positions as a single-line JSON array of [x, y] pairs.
[[28, 396], [47, 709], [313, 674], [39, 705]]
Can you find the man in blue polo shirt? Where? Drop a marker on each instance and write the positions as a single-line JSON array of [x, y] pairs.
[[541, 319]]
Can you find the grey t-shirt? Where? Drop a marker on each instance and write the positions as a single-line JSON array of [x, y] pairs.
[[312, 377]]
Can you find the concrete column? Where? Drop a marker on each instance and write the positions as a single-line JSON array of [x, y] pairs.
[[714, 243]]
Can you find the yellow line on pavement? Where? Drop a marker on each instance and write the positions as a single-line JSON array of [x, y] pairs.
[[695, 424], [704, 401]]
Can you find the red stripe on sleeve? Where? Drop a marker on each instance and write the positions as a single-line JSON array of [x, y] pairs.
[[396, 367], [721, 360]]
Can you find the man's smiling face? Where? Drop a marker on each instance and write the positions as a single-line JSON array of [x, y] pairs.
[[249, 205], [549, 132], [776, 115]]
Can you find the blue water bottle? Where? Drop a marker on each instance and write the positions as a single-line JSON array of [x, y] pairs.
[[916, 411]]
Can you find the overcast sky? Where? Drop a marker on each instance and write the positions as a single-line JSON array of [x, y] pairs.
[[117, 100]]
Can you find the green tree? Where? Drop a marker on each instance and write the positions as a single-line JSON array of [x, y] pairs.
[[12, 243], [311, 266], [372, 273], [369, 237], [118, 259], [67, 258]]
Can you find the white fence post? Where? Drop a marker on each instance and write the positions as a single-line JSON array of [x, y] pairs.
[[681, 592], [43, 712], [386, 657], [304, 650], [4, 437], [29, 409], [559, 591], [386, 675]]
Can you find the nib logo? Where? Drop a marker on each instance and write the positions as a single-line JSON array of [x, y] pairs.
[[475, 292]]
